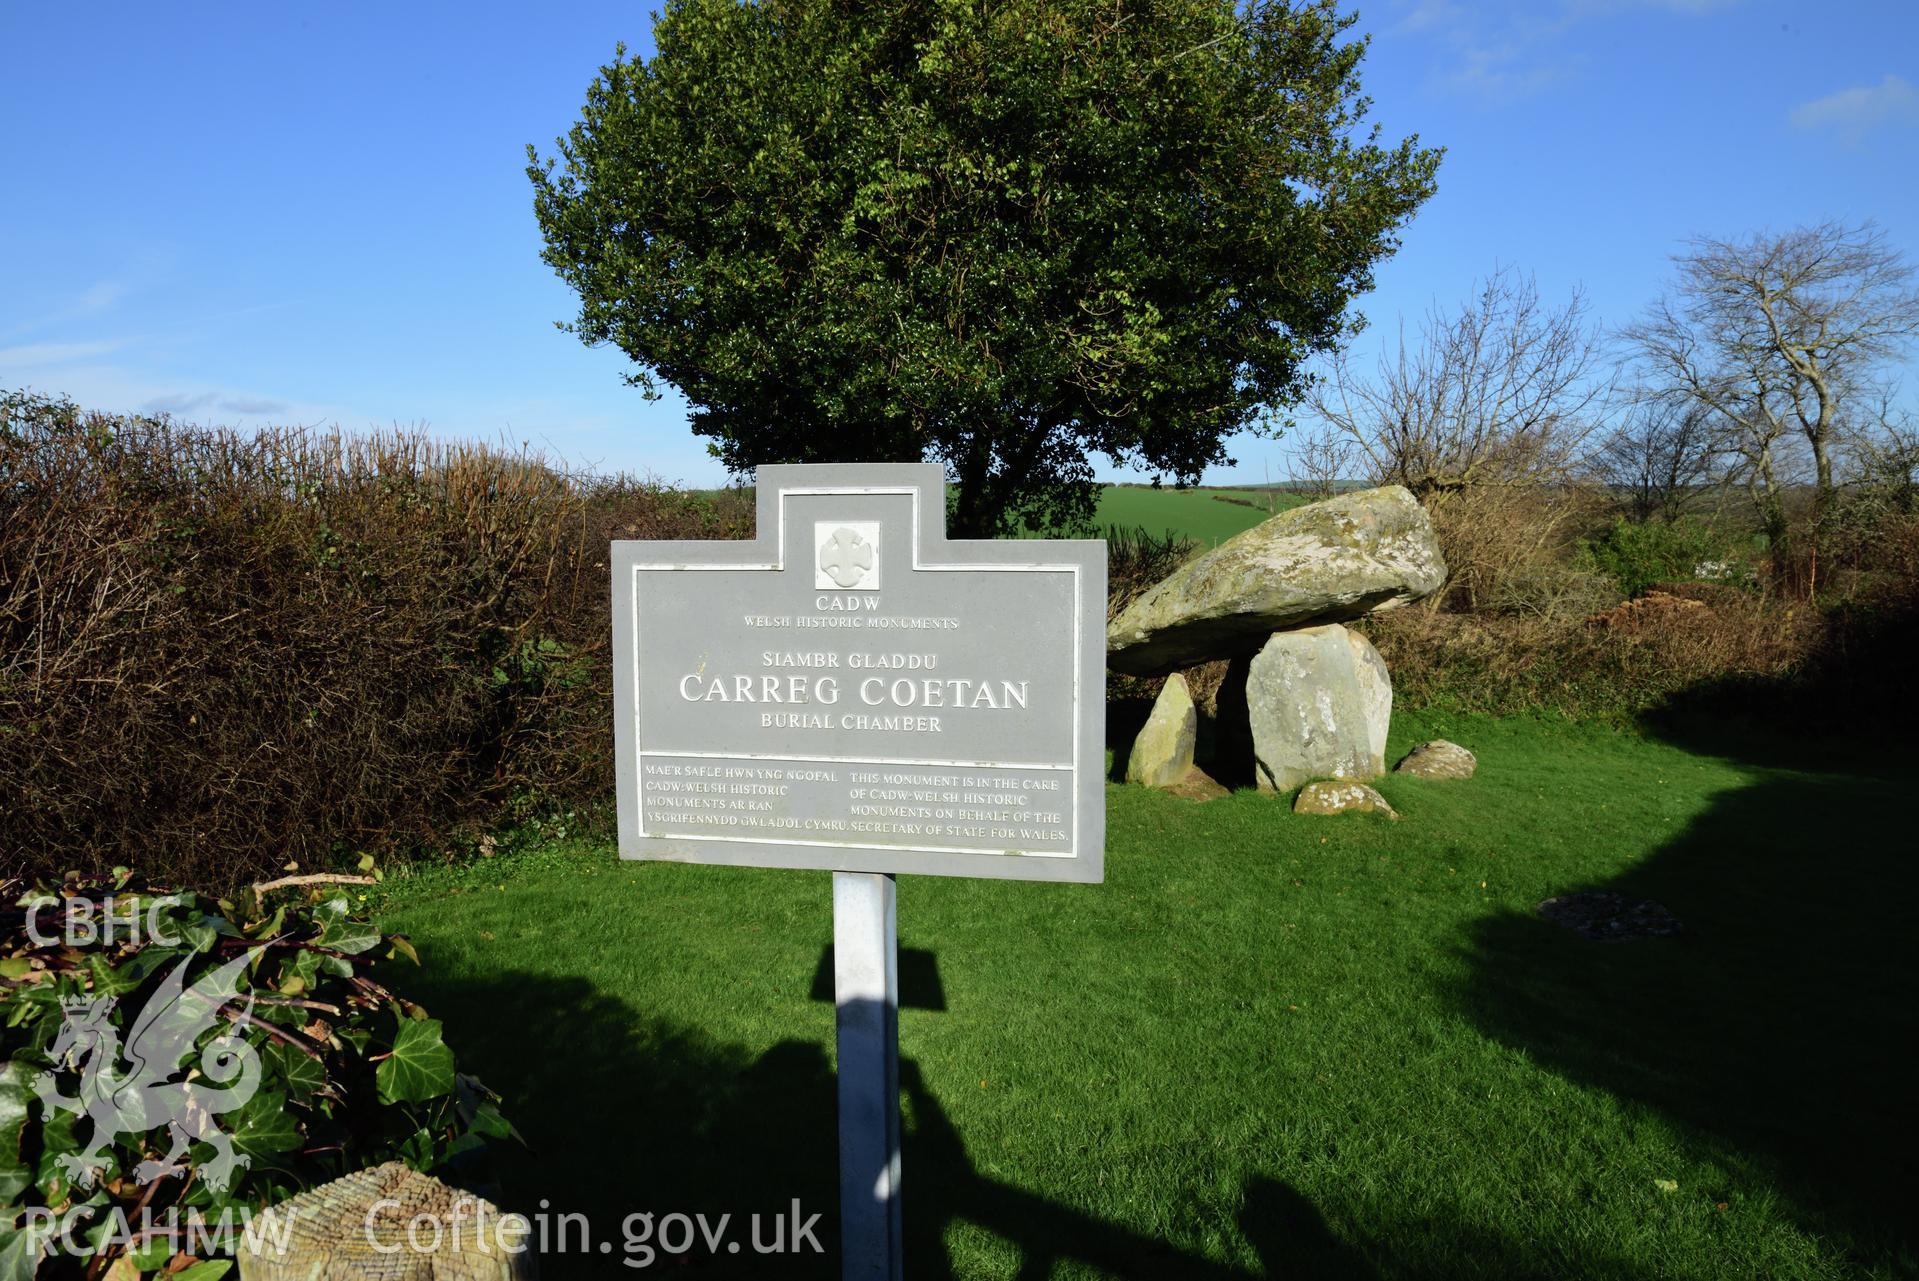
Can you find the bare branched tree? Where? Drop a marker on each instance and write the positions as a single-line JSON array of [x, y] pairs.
[[1777, 335], [1485, 416], [1319, 461], [1503, 392], [1660, 460]]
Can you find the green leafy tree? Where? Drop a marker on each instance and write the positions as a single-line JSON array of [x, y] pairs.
[[1005, 236]]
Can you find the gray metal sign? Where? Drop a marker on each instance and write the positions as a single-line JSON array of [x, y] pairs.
[[852, 691]]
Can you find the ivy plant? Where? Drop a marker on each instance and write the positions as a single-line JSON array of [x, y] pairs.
[[171, 1065]]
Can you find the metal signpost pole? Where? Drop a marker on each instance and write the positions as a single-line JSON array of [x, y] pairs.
[[866, 990]]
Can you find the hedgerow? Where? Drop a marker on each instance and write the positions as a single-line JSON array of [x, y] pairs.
[[219, 653]]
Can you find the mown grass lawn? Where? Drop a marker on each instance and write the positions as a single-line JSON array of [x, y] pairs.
[[1268, 1045]]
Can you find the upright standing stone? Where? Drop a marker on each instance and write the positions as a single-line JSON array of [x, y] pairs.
[[1163, 752], [1318, 705], [1322, 563]]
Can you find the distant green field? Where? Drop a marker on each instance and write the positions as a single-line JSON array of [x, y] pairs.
[[1196, 513]]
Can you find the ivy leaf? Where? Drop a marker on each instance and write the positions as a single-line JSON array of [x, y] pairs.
[[272, 925], [342, 933], [422, 1150], [20, 1248], [25, 1007], [59, 1136], [264, 1126], [348, 936], [144, 963], [420, 1067], [145, 1258], [303, 1075], [203, 931], [205, 1270], [304, 967], [111, 980], [16, 1097], [479, 1108]]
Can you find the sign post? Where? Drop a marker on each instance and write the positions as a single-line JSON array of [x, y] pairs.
[[851, 691], [866, 993]]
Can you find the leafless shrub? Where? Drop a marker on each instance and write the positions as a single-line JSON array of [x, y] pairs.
[[1485, 417], [1137, 559], [1320, 461], [1610, 667], [1508, 548]]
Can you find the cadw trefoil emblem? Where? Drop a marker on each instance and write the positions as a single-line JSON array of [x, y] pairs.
[[152, 1089], [846, 556]]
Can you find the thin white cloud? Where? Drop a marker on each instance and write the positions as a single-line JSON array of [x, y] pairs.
[[1428, 15], [1853, 113], [121, 389], [253, 405], [91, 301], [1503, 51], [224, 405], [1503, 73], [39, 354], [100, 296]]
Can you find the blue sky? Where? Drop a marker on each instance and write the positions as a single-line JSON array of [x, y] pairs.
[[275, 213]]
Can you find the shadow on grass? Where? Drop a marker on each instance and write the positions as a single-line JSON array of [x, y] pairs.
[[1777, 1027], [919, 979], [625, 1115]]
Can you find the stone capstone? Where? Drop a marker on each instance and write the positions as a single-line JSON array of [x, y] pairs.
[[1325, 562]]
